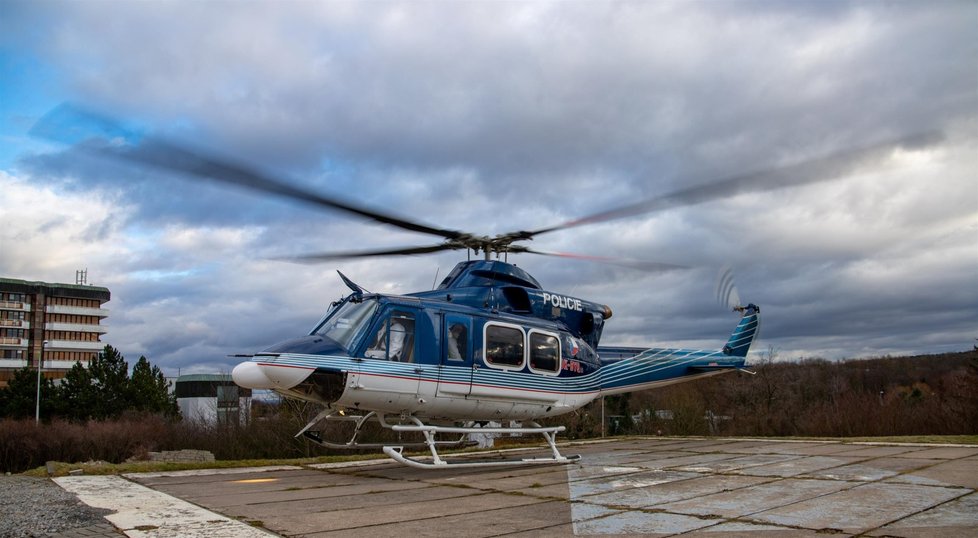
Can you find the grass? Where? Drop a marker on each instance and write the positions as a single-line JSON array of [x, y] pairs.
[[926, 439], [62, 469], [923, 439], [101, 468]]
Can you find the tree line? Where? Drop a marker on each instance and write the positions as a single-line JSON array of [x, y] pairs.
[[923, 395], [89, 416], [102, 390]]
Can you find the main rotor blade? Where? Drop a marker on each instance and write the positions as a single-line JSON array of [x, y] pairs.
[[803, 173], [644, 265], [330, 256], [170, 157]]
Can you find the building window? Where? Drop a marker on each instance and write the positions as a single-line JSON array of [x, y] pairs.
[[227, 396]]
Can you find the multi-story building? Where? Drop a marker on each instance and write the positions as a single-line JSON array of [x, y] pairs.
[[59, 324]]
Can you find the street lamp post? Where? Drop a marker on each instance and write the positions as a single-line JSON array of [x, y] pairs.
[[40, 363]]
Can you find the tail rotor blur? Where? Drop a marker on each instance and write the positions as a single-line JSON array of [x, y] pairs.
[[726, 292]]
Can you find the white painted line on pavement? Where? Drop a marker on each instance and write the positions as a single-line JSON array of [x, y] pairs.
[[145, 513]]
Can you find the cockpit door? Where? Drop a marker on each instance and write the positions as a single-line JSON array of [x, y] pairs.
[[388, 368], [455, 373]]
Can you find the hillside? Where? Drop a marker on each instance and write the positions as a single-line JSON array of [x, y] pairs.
[[919, 395]]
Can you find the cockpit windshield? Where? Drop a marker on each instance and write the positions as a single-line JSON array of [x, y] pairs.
[[347, 322]]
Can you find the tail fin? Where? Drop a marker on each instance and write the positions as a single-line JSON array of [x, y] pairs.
[[745, 332]]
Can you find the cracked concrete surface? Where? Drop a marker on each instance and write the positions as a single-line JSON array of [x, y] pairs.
[[656, 486]]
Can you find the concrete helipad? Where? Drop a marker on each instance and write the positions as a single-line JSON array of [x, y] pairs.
[[693, 487]]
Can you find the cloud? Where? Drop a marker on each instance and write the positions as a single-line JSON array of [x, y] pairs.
[[494, 118]]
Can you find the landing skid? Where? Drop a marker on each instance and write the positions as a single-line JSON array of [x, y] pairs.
[[430, 431], [550, 433], [331, 415]]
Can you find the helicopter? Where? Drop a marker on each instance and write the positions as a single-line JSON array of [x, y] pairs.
[[489, 345]]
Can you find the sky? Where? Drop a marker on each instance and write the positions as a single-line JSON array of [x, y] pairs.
[[490, 117]]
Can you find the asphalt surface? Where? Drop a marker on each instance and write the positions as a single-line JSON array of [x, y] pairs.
[[691, 487]]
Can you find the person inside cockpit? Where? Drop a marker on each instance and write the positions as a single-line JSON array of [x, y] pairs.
[[456, 342], [380, 348]]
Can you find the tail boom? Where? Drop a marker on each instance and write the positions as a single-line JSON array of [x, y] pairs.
[[656, 367]]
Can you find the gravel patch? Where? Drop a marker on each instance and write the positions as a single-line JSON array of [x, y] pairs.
[[39, 507]]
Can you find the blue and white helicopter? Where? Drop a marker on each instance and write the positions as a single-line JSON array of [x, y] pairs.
[[489, 344]]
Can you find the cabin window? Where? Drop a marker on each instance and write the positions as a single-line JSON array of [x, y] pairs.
[[504, 346], [394, 340], [544, 352]]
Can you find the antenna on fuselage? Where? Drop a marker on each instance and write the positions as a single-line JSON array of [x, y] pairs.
[[435, 281]]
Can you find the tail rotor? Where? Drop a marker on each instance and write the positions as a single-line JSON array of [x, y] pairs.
[[726, 292]]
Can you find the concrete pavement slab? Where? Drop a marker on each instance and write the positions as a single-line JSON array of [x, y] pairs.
[[860, 508], [543, 517], [223, 484], [956, 517], [405, 511], [959, 473], [796, 467], [232, 492], [900, 464], [655, 461], [691, 445], [813, 448], [854, 472], [729, 447], [580, 489], [945, 453], [738, 528], [509, 483], [872, 469], [265, 511], [645, 523], [658, 495], [758, 498], [699, 487], [876, 451], [735, 463], [551, 492]]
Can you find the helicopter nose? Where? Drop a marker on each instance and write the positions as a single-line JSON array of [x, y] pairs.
[[254, 375], [251, 376]]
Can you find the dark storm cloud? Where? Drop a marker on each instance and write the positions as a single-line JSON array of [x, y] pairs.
[[573, 86], [491, 118], [574, 97]]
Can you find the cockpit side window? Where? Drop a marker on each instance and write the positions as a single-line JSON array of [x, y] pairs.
[[394, 338], [544, 352]]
